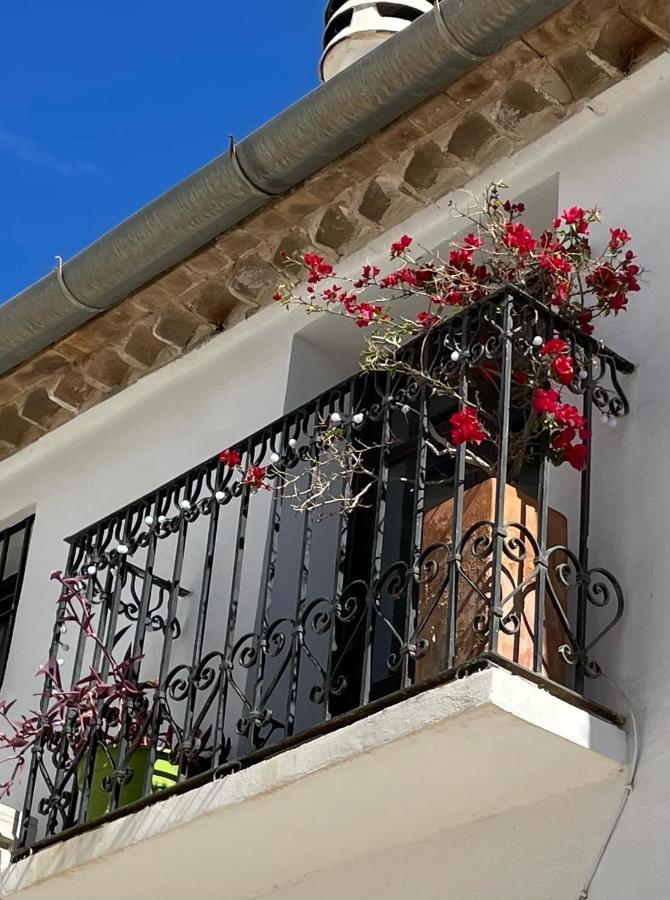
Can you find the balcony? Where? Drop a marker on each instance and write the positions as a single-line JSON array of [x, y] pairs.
[[451, 612]]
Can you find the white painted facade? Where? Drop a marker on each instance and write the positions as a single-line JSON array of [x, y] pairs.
[[614, 153]]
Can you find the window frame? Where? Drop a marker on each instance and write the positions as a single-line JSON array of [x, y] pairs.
[[9, 602]]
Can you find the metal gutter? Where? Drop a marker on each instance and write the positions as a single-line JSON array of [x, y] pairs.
[[428, 56]]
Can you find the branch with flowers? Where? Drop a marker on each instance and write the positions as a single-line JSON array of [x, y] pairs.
[[558, 269]]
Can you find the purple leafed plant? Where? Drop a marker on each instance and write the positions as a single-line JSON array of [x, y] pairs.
[[108, 699]]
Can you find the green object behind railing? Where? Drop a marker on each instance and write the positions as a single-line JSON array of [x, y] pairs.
[[165, 775]]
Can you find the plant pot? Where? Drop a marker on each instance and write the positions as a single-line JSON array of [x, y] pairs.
[[165, 774], [471, 607]]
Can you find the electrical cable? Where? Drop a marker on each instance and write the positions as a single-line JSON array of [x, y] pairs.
[[628, 789]]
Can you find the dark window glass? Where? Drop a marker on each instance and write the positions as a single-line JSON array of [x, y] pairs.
[[13, 552]]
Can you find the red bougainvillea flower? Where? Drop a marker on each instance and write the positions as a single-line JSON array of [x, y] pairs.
[[366, 313], [563, 369], [519, 377], [563, 439], [576, 217], [545, 400], [461, 258], [451, 298], [568, 415], [584, 318], [473, 240], [553, 347], [619, 237], [518, 237], [318, 267], [426, 319], [560, 294], [576, 455], [230, 458], [611, 285], [368, 275], [555, 263], [254, 477], [516, 208], [465, 426], [400, 246]]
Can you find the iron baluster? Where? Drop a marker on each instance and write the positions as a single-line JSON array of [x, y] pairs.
[[584, 523], [47, 691], [500, 533], [188, 738], [418, 489], [343, 524], [378, 540], [454, 560], [160, 703], [220, 744]]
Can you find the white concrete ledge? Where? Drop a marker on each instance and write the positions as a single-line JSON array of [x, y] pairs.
[[448, 757]]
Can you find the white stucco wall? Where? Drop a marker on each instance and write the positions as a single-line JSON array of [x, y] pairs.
[[614, 154]]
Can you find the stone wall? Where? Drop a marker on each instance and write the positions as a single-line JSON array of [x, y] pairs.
[[505, 104]]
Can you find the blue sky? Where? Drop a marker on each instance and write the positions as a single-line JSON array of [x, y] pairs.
[[106, 105]]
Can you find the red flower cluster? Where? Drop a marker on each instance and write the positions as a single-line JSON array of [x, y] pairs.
[[576, 218], [366, 313], [566, 424], [401, 246], [557, 267], [554, 262], [368, 275], [545, 400], [408, 275], [426, 319], [461, 259], [473, 240], [318, 267], [451, 298], [519, 238], [230, 458], [465, 426], [611, 284], [619, 237], [562, 366], [514, 208], [254, 478]]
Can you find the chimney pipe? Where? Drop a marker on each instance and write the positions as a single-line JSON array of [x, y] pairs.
[[354, 27]]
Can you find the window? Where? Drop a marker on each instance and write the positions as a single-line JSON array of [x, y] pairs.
[[13, 552]]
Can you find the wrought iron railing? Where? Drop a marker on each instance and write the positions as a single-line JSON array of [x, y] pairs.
[[256, 623]]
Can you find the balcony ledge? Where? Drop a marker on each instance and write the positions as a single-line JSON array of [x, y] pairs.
[[454, 756]]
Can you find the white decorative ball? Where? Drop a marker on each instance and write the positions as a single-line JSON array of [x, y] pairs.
[[274, 457], [92, 570], [612, 423], [293, 443], [538, 341], [185, 504], [161, 519], [358, 419], [405, 409], [149, 520], [219, 496], [335, 418], [583, 374], [122, 549], [455, 356]]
